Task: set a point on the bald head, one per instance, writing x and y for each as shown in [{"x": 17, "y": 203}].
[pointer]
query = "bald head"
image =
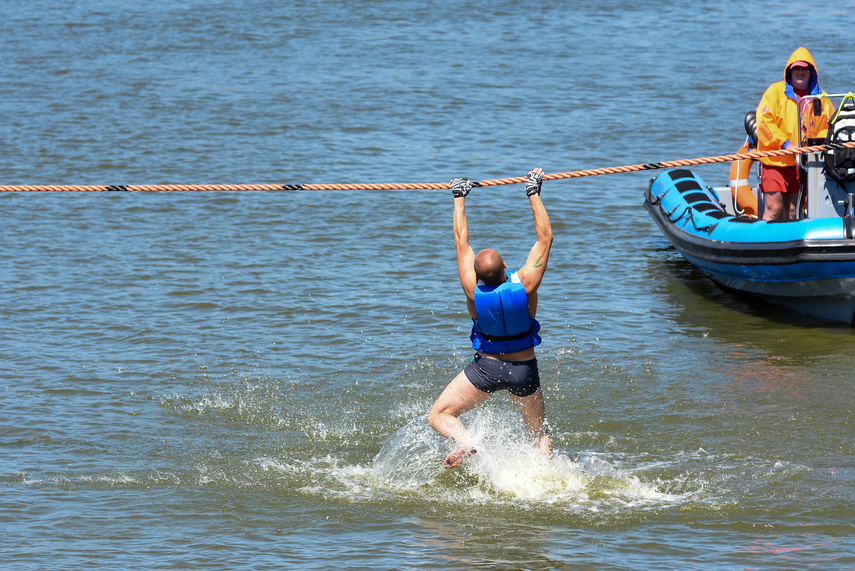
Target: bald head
[{"x": 490, "y": 267}]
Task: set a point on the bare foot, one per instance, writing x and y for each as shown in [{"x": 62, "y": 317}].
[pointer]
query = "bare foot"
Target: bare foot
[
  {"x": 544, "y": 446},
  {"x": 455, "y": 458}
]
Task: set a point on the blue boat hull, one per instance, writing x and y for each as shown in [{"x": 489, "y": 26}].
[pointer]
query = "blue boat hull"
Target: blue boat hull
[{"x": 808, "y": 264}]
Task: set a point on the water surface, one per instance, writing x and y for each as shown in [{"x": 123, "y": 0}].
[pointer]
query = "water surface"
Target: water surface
[{"x": 241, "y": 380}]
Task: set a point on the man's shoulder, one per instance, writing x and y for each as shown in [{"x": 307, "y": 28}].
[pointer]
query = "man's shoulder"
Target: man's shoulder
[
  {"x": 529, "y": 282},
  {"x": 776, "y": 89}
]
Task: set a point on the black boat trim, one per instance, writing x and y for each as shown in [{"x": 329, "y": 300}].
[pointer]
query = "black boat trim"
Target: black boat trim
[{"x": 753, "y": 253}]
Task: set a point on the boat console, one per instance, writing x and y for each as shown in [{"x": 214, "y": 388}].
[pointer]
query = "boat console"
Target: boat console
[{"x": 824, "y": 196}]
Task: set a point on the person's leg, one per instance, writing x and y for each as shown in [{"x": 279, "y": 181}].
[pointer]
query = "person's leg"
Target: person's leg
[
  {"x": 533, "y": 413},
  {"x": 791, "y": 200},
  {"x": 459, "y": 396},
  {"x": 780, "y": 187},
  {"x": 775, "y": 206}
]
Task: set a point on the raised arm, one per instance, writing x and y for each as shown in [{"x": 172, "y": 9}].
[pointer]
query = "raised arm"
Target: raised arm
[
  {"x": 465, "y": 255},
  {"x": 531, "y": 274}
]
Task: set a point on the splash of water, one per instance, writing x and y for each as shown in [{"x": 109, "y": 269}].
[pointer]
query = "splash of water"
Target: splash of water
[{"x": 507, "y": 468}]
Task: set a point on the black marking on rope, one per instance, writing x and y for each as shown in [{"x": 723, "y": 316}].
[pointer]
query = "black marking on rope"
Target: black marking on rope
[
  {"x": 651, "y": 166},
  {"x": 475, "y": 183},
  {"x": 117, "y": 188},
  {"x": 292, "y": 187}
]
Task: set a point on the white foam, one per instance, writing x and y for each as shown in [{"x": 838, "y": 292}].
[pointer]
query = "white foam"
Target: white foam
[{"x": 507, "y": 468}]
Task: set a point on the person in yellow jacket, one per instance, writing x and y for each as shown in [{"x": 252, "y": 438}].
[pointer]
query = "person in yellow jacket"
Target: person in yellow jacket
[{"x": 778, "y": 128}]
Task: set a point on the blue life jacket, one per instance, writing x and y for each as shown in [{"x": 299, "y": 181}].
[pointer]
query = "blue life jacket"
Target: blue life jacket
[{"x": 504, "y": 324}]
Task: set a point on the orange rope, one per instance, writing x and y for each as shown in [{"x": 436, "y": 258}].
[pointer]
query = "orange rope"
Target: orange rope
[{"x": 413, "y": 186}]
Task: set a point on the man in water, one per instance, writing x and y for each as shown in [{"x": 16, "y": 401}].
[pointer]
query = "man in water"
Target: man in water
[{"x": 504, "y": 333}]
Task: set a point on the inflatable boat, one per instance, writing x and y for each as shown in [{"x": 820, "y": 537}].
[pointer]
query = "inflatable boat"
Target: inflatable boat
[{"x": 807, "y": 264}]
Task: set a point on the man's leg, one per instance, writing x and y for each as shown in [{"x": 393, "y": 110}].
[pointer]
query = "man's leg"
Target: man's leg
[
  {"x": 459, "y": 396},
  {"x": 775, "y": 206},
  {"x": 776, "y": 183},
  {"x": 791, "y": 200},
  {"x": 533, "y": 413}
]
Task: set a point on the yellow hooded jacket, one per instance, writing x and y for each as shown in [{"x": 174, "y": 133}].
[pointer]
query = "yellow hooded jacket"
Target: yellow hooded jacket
[{"x": 777, "y": 114}]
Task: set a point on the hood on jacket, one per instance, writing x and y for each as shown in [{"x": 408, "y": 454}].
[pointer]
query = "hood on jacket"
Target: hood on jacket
[{"x": 802, "y": 54}]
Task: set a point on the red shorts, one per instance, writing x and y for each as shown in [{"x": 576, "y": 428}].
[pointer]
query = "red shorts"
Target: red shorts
[{"x": 779, "y": 179}]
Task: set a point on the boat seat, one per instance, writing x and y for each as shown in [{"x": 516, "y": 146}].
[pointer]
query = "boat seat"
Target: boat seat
[{"x": 751, "y": 126}]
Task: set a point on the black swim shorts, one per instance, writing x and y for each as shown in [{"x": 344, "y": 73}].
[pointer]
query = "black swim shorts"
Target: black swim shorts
[{"x": 520, "y": 378}]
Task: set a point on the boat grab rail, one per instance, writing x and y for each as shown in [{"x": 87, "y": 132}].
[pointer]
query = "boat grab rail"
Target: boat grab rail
[
  {"x": 689, "y": 213},
  {"x": 843, "y": 98}
]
